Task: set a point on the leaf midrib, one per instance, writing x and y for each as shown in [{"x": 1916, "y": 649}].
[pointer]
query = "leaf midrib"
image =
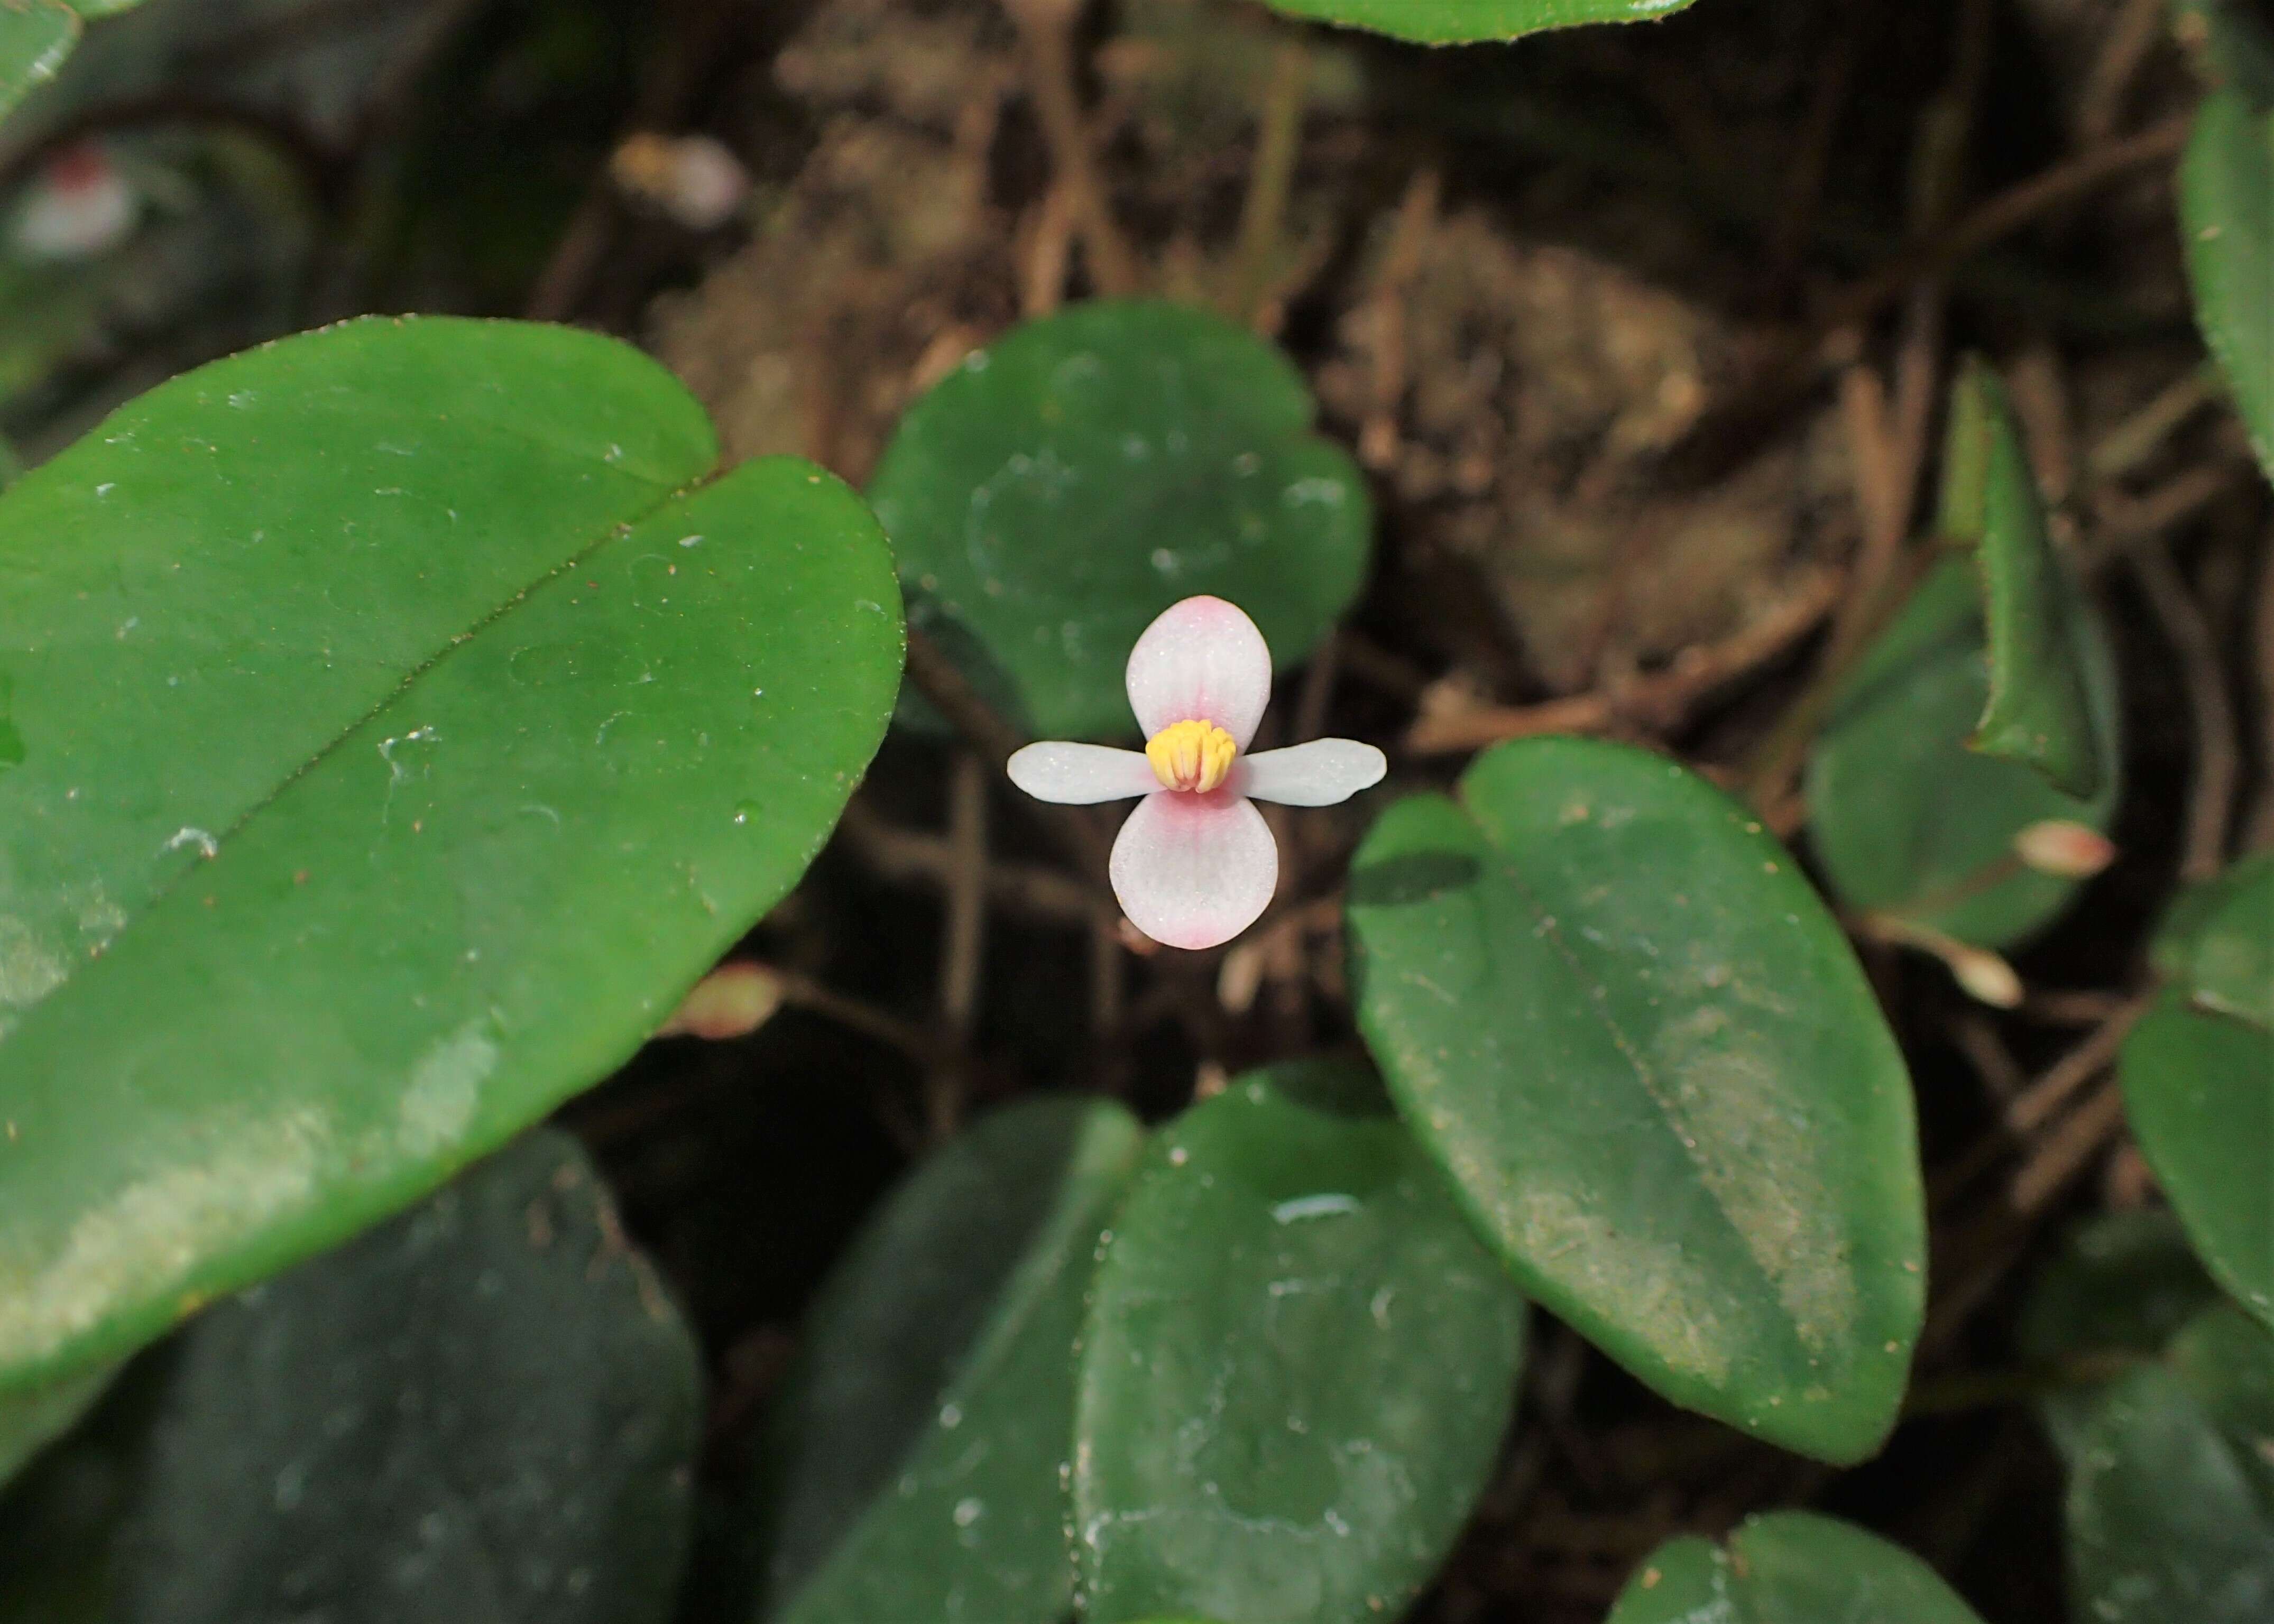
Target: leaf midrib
[{"x": 450, "y": 645}]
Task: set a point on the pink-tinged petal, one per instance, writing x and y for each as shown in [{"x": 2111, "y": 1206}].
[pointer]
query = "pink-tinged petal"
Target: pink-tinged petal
[
  {"x": 1194, "y": 871},
  {"x": 1081, "y": 774},
  {"x": 1201, "y": 661},
  {"x": 1317, "y": 774}
]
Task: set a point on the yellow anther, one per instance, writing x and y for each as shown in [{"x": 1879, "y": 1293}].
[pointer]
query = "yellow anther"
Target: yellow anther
[{"x": 1193, "y": 755}]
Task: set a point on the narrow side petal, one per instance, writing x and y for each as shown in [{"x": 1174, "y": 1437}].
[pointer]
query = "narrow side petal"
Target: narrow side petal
[
  {"x": 1194, "y": 871},
  {"x": 1081, "y": 774},
  {"x": 1200, "y": 660},
  {"x": 1317, "y": 774}
]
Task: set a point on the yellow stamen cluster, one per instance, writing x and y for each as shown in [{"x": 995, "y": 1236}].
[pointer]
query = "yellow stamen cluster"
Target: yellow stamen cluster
[{"x": 1191, "y": 755}]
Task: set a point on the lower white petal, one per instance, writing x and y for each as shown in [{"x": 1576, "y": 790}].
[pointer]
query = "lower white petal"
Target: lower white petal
[
  {"x": 1317, "y": 774},
  {"x": 1081, "y": 774},
  {"x": 1194, "y": 871}
]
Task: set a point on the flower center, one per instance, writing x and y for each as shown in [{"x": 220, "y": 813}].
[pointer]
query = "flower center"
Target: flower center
[{"x": 1191, "y": 755}]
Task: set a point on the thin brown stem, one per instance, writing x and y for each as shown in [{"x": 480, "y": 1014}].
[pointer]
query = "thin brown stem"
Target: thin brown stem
[
  {"x": 1046, "y": 31},
  {"x": 1279, "y": 142},
  {"x": 1661, "y": 699},
  {"x": 2036, "y": 1104},
  {"x": 2218, "y": 764}
]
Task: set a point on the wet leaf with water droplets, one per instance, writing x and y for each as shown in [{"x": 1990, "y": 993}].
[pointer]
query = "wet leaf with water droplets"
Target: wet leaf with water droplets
[
  {"x": 1788, "y": 1567},
  {"x": 485, "y": 1412},
  {"x": 917, "y": 1460},
  {"x": 1054, "y": 494},
  {"x": 2170, "y": 1493},
  {"x": 1296, "y": 1369},
  {"x": 1620, "y": 1019},
  {"x": 2122, "y": 1284},
  {"x": 307, "y": 895}
]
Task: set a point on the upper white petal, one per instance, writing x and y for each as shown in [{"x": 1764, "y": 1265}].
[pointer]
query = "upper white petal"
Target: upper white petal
[
  {"x": 1079, "y": 774},
  {"x": 1317, "y": 774},
  {"x": 1194, "y": 871},
  {"x": 1200, "y": 660}
]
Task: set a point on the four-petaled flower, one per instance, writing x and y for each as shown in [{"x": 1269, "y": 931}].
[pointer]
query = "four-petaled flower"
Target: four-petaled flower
[{"x": 1195, "y": 863}]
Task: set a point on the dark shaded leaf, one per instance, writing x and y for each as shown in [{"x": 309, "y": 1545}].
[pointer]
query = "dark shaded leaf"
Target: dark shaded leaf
[
  {"x": 484, "y": 1412},
  {"x": 920, "y": 1457},
  {"x": 1296, "y": 1366},
  {"x": 1060, "y": 489}
]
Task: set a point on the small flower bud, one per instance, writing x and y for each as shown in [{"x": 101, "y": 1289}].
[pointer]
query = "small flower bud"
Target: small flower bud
[
  {"x": 733, "y": 1001},
  {"x": 1986, "y": 977},
  {"x": 2067, "y": 850},
  {"x": 690, "y": 180}
]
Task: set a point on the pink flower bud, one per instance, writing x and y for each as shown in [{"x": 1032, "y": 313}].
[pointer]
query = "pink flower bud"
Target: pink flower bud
[{"x": 2070, "y": 851}]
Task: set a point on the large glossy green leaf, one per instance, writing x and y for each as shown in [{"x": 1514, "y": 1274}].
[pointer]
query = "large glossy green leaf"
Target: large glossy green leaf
[
  {"x": 436, "y": 906},
  {"x": 2216, "y": 944},
  {"x": 920, "y": 1458},
  {"x": 1788, "y": 1568},
  {"x": 31, "y": 1417},
  {"x": 1618, "y": 1015},
  {"x": 2199, "y": 1091},
  {"x": 1454, "y": 22},
  {"x": 2038, "y": 709},
  {"x": 2171, "y": 1494},
  {"x": 1057, "y": 491},
  {"x": 2120, "y": 1287},
  {"x": 1907, "y": 819},
  {"x": 484, "y": 1412},
  {"x": 1296, "y": 1369},
  {"x": 2226, "y": 216}
]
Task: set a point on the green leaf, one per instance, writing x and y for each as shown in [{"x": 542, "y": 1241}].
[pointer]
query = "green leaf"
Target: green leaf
[
  {"x": 919, "y": 1456},
  {"x": 1910, "y": 822},
  {"x": 2226, "y": 1359},
  {"x": 2199, "y": 1092},
  {"x": 2171, "y": 1496},
  {"x": 2226, "y": 217},
  {"x": 493, "y": 767},
  {"x": 1057, "y": 491},
  {"x": 2217, "y": 941},
  {"x": 1297, "y": 1367},
  {"x": 31, "y": 1417},
  {"x": 1619, "y": 1017},
  {"x": 1460, "y": 22},
  {"x": 485, "y": 1410},
  {"x": 35, "y": 37},
  {"x": 2039, "y": 710},
  {"x": 2122, "y": 1285},
  {"x": 1788, "y": 1568}
]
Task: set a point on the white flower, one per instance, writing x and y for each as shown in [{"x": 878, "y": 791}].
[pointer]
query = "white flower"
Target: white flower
[{"x": 1195, "y": 863}]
